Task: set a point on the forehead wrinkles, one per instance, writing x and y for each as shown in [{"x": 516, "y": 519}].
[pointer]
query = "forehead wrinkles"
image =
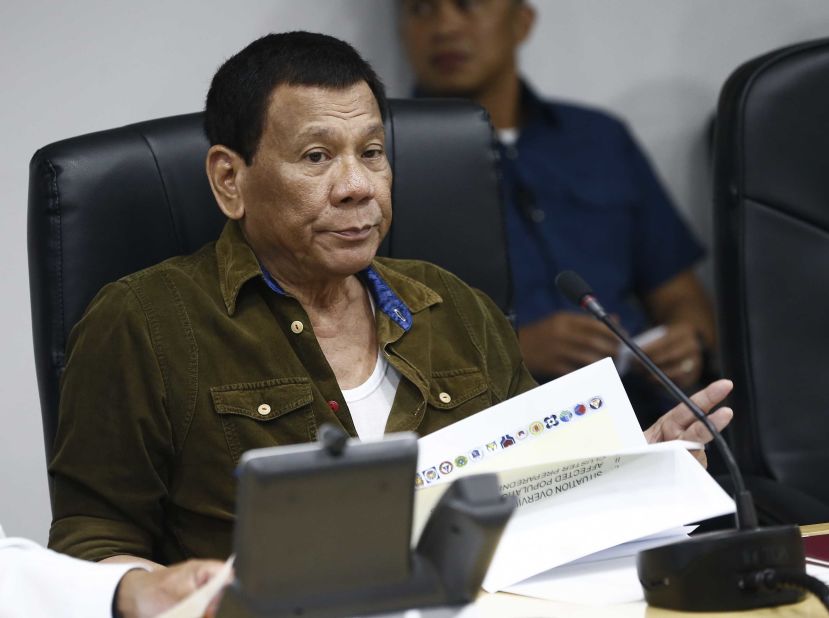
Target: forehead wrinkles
[
  {"x": 346, "y": 109},
  {"x": 296, "y": 110},
  {"x": 360, "y": 130}
]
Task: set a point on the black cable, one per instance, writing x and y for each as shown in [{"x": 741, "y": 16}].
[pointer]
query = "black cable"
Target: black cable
[{"x": 773, "y": 579}]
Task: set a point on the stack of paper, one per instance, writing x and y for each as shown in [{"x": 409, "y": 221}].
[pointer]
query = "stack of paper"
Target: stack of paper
[{"x": 573, "y": 455}]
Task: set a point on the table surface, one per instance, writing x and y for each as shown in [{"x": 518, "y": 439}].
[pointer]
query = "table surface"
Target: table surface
[
  {"x": 503, "y": 605},
  {"x": 814, "y": 530}
]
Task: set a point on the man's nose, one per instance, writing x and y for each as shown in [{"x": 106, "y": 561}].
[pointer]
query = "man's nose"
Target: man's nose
[
  {"x": 353, "y": 184},
  {"x": 448, "y": 19}
]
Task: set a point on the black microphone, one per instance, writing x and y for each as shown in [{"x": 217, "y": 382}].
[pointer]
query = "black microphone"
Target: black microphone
[
  {"x": 576, "y": 290},
  {"x": 727, "y": 570}
]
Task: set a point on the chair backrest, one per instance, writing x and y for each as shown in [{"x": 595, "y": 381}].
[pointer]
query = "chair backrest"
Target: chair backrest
[
  {"x": 110, "y": 203},
  {"x": 771, "y": 216}
]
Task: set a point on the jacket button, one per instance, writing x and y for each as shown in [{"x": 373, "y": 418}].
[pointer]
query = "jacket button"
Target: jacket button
[
  {"x": 264, "y": 409},
  {"x": 297, "y": 326},
  {"x": 445, "y": 397},
  {"x": 334, "y": 406}
]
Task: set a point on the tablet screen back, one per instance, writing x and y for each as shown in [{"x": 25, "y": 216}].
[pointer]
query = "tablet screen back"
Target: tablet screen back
[{"x": 308, "y": 520}]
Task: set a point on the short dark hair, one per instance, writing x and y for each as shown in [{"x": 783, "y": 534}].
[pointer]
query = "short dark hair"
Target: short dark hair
[{"x": 237, "y": 102}]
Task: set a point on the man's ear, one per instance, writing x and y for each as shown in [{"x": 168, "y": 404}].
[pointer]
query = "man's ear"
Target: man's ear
[
  {"x": 524, "y": 21},
  {"x": 225, "y": 169}
]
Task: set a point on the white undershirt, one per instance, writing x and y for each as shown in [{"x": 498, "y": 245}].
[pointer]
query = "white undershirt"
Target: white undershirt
[
  {"x": 370, "y": 402},
  {"x": 508, "y": 137}
]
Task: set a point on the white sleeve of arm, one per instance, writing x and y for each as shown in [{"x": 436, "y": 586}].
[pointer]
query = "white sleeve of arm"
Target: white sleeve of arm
[{"x": 39, "y": 583}]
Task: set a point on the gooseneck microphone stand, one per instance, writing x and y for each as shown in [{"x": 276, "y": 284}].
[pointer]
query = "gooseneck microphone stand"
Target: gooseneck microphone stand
[{"x": 719, "y": 571}]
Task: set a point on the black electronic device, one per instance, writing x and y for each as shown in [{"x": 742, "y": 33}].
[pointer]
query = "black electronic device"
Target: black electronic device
[
  {"x": 719, "y": 571},
  {"x": 324, "y": 529}
]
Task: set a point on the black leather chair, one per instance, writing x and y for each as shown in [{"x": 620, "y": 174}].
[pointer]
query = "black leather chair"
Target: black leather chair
[
  {"x": 110, "y": 203},
  {"x": 771, "y": 219}
]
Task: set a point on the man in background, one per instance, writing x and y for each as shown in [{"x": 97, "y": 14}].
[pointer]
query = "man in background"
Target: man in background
[{"x": 579, "y": 195}]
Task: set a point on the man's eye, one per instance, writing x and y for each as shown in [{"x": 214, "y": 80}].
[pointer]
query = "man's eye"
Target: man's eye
[
  {"x": 468, "y": 5},
  {"x": 316, "y": 157},
  {"x": 420, "y": 8},
  {"x": 373, "y": 153}
]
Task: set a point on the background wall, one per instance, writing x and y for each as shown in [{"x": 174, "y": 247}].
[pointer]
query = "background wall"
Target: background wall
[{"x": 71, "y": 68}]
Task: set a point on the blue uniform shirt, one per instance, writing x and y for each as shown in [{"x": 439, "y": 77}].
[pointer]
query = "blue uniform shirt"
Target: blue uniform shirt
[{"x": 580, "y": 195}]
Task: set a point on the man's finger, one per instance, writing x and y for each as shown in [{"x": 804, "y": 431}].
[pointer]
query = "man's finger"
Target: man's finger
[
  {"x": 674, "y": 347},
  {"x": 587, "y": 327},
  {"x": 589, "y": 337},
  {"x": 676, "y": 353},
  {"x": 706, "y": 399},
  {"x": 712, "y": 394},
  {"x": 698, "y": 432},
  {"x": 700, "y": 456}
]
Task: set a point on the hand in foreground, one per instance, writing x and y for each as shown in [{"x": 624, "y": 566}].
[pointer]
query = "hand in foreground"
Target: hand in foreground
[
  {"x": 148, "y": 593},
  {"x": 678, "y": 353},
  {"x": 680, "y": 423},
  {"x": 564, "y": 342}
]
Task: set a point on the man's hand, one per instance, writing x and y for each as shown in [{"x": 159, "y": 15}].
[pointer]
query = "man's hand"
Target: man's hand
[
  {"x": 683, "y": 306},
  {"x": 148, "y": 593},
  {"x": 680, "y": 423},
  {"x": 678, "y": 353},
  {"x": 564, "y": 342}
]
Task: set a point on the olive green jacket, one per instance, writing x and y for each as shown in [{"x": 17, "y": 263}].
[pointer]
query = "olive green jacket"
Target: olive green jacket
[{"x": 168, "y": 370}]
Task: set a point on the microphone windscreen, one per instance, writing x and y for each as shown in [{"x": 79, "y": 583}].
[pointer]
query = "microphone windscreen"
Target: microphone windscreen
[{"x": 572, "y": 286}]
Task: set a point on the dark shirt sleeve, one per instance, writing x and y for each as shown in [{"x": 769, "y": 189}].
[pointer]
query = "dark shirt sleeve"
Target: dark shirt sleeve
[
  {"x": 663, "y": 244},
  {"x": 114, "y": 441}
]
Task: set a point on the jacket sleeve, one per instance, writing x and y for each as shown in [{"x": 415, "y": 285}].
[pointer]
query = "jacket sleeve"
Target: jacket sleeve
[{"x": 114, "y": 443}]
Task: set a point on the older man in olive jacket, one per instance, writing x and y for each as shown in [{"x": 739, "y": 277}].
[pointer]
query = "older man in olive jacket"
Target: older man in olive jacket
[{"x": 286, "y": 322}]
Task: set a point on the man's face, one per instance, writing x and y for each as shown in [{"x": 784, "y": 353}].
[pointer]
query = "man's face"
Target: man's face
[
  {"x": 317, "y": 196},
  {"x": 459, "y": 47}
]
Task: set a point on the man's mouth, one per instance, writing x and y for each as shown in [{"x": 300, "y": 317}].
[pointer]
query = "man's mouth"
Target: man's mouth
[
  {"x": 449, "y": 61},
  {"x": 354, "y": 233}
]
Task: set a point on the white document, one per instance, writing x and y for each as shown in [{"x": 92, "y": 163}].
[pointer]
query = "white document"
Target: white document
[
  {"x": 573, "y": 455},
  {"x": 816, "y": 570},
  {"x": 605, "y": 578},
  {"x": 585, "y": 411}
]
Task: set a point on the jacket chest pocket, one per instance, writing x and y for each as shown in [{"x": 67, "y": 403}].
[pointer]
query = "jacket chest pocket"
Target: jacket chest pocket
[
  {"x": 265, "y": 413},
  {"x": 454, "y": 395}
]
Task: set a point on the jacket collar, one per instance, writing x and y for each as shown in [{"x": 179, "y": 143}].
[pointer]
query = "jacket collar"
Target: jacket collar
[
  {"x": 395, "y": 294},
  {"x": 415, "y": 295},
  {"x": 237, "y": 263}
]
